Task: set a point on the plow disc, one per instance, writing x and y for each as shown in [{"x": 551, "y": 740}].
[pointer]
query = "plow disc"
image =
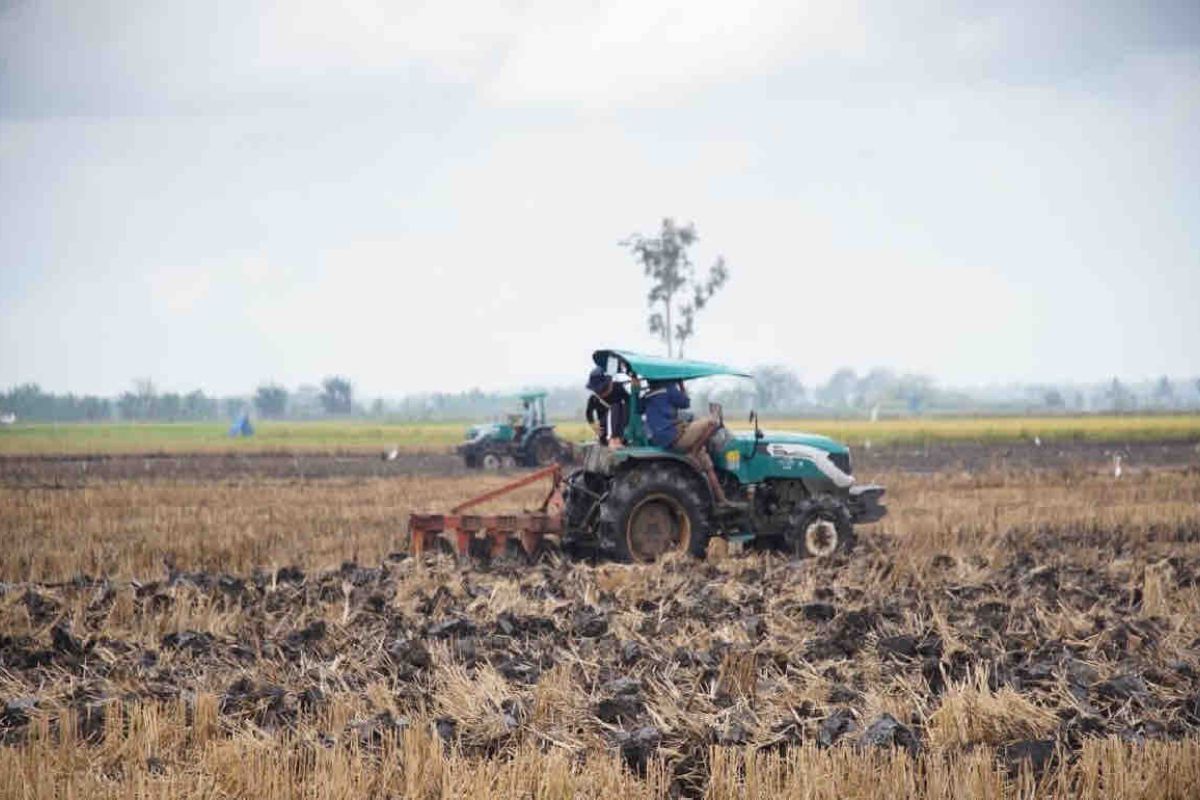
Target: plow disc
[{"x": 493, "y": 534}]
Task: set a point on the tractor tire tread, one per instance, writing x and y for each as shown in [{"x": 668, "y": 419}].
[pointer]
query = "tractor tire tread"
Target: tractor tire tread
[
  {"x": 831, "y": 509},
  {"x": 655, "y": 477}
]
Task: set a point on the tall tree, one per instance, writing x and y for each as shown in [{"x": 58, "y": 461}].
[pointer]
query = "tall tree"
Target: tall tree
[
  {"x": 1119, "y": 398},
  {"x": 1164, "y": 393},
  {"x": 777, "y": 388},
  {"x": 169, "y": 406},
  {"x": 874, "y": 387},
  {"x": 271, "y": 400},
  {"x": 664, "y": 259},
  {"x": 197, "y": 406},
  {"x": 141, "y": 403},
  {"x": 337, "y": 395},
  {"x": 839, "y": 392}
]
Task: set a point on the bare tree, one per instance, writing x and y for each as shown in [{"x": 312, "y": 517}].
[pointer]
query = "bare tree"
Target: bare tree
[{"x": 665, "y": 261}]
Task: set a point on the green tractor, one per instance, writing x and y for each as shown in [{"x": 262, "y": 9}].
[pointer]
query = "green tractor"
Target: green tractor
[
  {"x": 524, "y": 439},
  {"x": 793, "y": 491}
]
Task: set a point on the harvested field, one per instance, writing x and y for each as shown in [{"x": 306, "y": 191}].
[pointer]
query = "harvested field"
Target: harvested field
[
  {"x": 1006, "y": 631},
  {"x": 933, "y": 456},
  {"x": 364, "y": 436}
]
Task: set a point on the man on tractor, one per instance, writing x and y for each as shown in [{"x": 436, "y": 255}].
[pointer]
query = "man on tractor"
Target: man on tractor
[
  {"x": 607, "y": 408},
  {"x": 663, "y": 402}
]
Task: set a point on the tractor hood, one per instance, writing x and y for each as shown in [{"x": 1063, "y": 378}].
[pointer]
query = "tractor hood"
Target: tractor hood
[
  {"x": 490, "y": 430},
  {"x": 476, "y": 431},
  {"x": 785, "y": 438},
  {"x": 657, "y": 368},
  {"x": 807, "y": 456},
  {"x": 778, "y": 444}
]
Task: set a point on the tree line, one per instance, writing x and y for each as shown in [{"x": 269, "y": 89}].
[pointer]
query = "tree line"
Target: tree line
[
  {"x": 143, "y": 402},
  {"x": 775, "y": 390}
]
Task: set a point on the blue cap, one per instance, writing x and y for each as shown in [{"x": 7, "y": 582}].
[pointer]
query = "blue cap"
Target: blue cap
[{"x": 598, "y": 381}]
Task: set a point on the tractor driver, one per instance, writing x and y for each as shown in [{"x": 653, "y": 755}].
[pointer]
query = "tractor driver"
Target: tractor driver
[
  {"x": 663, "y": 402},
  {"x": 527, "y": 415},
  {"x": 607, "y": 408}
]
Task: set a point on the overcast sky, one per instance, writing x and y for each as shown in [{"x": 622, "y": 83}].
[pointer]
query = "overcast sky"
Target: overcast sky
[{"x": 430, "y": 196}]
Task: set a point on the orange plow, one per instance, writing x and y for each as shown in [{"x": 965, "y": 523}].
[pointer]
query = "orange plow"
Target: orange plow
[{"x": 494, "y": 534}]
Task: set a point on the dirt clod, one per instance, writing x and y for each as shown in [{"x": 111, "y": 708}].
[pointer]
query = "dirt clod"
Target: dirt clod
[
  {"x": 887, "y": 731},
  {"x": 835, "y": 726}
]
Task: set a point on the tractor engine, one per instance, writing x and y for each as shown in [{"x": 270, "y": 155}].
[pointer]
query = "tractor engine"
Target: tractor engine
[{"x": 773, "y": 504}]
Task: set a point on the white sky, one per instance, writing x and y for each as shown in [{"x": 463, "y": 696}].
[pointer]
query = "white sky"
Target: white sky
[{"x": 429, "y": 196}]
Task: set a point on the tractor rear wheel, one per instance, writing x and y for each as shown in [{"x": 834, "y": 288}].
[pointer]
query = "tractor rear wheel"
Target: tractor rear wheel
[
  {"x": 544, "y": 450},
  {"x": 820, "y": 530},
  {"x": 655, "y": 509}
]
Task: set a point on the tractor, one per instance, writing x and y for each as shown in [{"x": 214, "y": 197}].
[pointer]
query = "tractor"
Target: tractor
[
  {"x": 524, "y": 439},
  {"x": 638, "y": 502},
  {"x": 793, "y": 491}
]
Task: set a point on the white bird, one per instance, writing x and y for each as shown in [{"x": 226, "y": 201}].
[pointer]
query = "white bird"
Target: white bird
[
  {"x": 392, "y": 455},
  {"x": 1116, "y": 465},
  {"x": 1037, "y": 441}
]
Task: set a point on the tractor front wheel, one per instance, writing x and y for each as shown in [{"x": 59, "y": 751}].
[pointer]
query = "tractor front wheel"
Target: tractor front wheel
[
  {"x": 820, "y": 530},
  {"x": 653, "y": 510}
]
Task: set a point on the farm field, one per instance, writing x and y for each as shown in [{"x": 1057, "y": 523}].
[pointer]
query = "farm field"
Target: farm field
[
  {"x": 425, "y": 437},
  {"x": 1022, "y": 624}
]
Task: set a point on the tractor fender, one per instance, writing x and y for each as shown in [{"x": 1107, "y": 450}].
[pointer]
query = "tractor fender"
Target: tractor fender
[
  {"x": 470, "y": 448},
  {"x": 819, "y": 486},
  {"x": 532, "y": 432}
]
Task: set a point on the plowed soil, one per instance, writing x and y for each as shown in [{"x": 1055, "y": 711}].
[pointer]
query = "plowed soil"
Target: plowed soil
[
  {"x": 74, "y": 470},
  {"x": 1021, "y": 602}
]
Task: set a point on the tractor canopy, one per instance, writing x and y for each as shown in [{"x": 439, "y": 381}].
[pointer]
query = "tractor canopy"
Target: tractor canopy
[
  {"x": 657, "y": 368},
  {"x": 529, "y": 397}
]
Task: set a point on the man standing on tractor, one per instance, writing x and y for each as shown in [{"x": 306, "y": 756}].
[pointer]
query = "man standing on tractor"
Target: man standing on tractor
[
  {"x": 662, "y": 403},
  {"x": 607, "y": 408},
  {"x": 529, "y": 418}
]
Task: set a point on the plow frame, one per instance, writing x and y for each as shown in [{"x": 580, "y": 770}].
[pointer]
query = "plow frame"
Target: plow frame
[{"x": 496, "y": 534}]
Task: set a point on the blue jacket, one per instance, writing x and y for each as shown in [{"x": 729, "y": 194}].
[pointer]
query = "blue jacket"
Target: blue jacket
[{"x": 662, "y": 409}]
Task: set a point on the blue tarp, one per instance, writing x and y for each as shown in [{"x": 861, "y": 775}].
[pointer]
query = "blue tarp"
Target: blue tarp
[{"x": 241, "y": 426}]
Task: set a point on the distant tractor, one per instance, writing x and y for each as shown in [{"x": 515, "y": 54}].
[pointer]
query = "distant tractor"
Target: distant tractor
[{"x": 525, "y": 439}]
